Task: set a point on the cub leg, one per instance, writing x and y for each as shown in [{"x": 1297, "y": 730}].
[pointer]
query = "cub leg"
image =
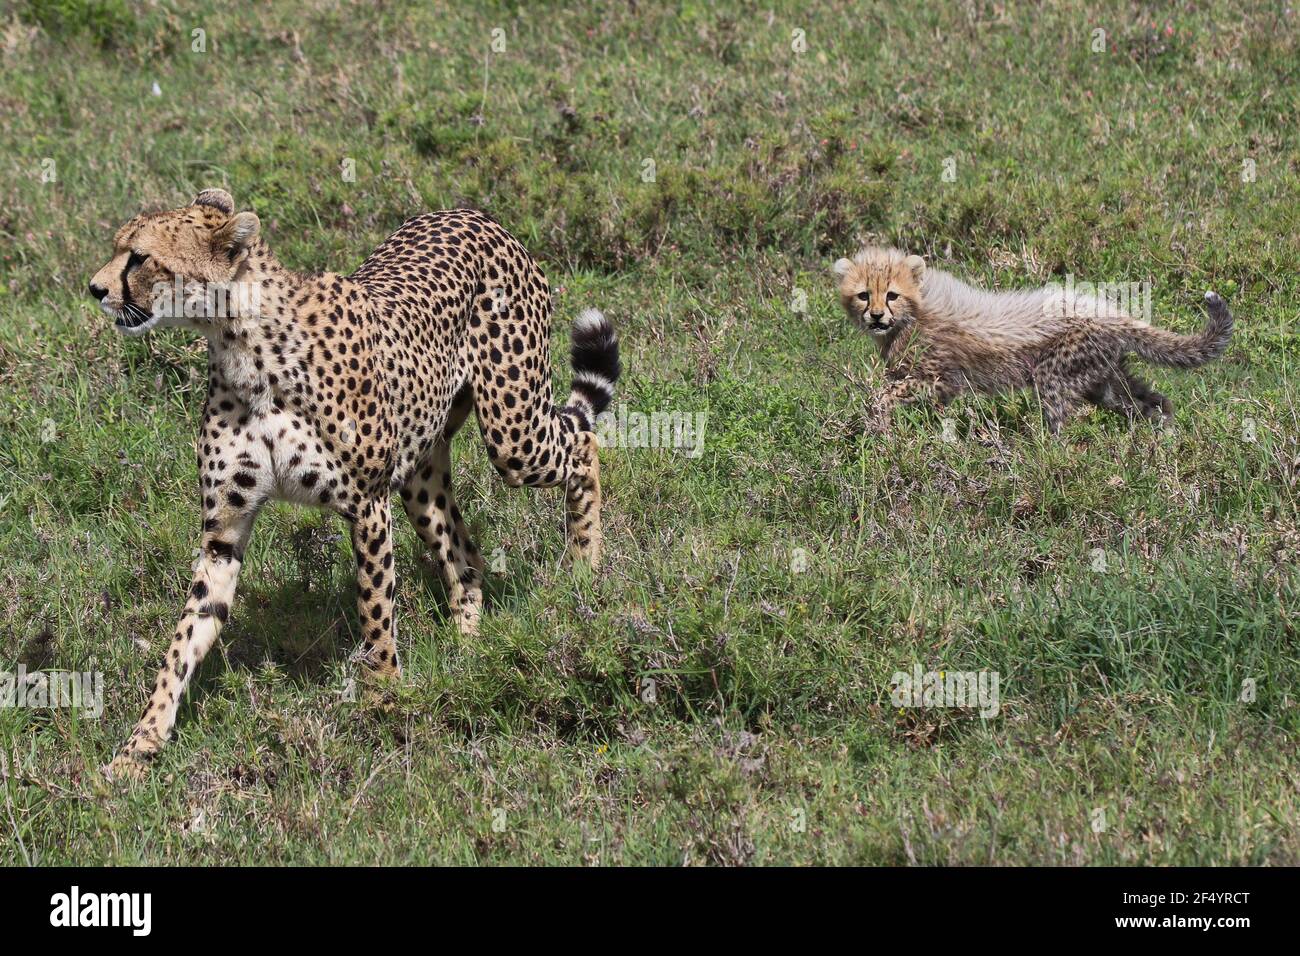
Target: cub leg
[
  {"x": 1058, "y": 396},
  {"x": 1079, "y": 365},
  {"x": 900, "y": 391},
  {"x": 1150, "y": 403},
  {"x": 1114, "y": 395}
]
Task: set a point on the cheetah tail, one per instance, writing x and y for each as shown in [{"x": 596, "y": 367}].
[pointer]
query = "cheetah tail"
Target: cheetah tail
[
  {"x": 595, "y": 367},
  {"x": 1186, "y": 351}
]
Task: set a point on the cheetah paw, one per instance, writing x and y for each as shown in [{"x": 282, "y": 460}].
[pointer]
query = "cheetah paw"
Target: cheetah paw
[
  {"x": 467, "y": 622},
  {"x": 126, "y": 768}
]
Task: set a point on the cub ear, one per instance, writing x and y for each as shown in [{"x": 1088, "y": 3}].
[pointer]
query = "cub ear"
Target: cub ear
[
  {"x": 236, "y": 234},
  {"x": 917, "y": 265},
  {"x": 841, "y": 268},
  {"x": 217, "y": 199}
]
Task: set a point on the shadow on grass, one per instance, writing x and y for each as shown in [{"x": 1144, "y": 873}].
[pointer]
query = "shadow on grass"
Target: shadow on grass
[
  {"x": 499, "y": 588},
  {"x": 310, "y": 631}
]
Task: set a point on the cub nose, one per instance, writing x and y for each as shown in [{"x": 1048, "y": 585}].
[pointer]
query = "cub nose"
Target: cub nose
[
  {"x": 98, "y": 291},
  {"x": 877, "y": 316}
]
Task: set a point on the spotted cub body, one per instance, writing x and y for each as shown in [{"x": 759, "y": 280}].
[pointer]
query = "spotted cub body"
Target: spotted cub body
[
  {"x": 940, "y": 337},
  {"x": 335, "y": 391}
]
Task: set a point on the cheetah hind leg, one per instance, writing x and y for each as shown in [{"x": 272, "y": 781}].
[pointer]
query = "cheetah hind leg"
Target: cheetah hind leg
[
  {"x": 431, "y": 506},
  {"x": 1113, "y": 395},
  {"x": 1151, "y": 404},
  {"x": 1126, "y": 394},
  {"x": 582, "y": 502},
  {"x": 1058, "y": 397}
]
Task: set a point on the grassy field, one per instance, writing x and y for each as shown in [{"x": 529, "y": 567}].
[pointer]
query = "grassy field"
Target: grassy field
[{"x": 720, "y": 693}]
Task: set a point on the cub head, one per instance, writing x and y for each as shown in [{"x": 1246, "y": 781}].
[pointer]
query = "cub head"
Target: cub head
[
  {"x": 880, "y": 288},
  {"x": 177, "y": 267}
]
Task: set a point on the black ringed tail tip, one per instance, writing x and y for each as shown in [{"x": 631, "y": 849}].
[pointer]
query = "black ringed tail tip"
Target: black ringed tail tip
[{"x": 596, "y": 365}]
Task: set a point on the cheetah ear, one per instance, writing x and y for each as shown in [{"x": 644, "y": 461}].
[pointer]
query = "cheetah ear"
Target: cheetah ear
[
  {"x": 917, "y": 265},
  {"x": 217, "y": 199},
  {"x": 236, "y": 234},
  {"x": 841, "y": 268}
]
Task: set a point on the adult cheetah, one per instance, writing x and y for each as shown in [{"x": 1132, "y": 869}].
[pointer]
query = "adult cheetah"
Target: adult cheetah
[{"x": 334, "y": 391}]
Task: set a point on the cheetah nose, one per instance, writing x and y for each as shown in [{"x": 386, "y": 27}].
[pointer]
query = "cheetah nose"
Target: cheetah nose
[
  {"x": 98, "y": 291},
  {"x": 877, "y": 316}
]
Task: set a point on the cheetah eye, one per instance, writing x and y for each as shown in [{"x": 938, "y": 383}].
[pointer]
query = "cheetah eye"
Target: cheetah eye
[
  {"x": 891, "y": 296},
  {"x": 135, "y": 260},
  {"x": 864, "y": 296}
]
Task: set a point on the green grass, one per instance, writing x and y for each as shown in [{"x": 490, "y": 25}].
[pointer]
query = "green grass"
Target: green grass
[{"x": 1121, "y": 689}]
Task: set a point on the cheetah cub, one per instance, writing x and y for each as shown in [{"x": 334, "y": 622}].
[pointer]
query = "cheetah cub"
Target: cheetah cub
[
  {"x": 939, "y": 337},
  {"x": 335, "y": 391}
]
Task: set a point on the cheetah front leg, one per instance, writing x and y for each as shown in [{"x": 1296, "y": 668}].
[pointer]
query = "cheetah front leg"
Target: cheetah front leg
[
  {"x": 372, "y": 545},
  {"x": 228, "y": 524},
  {"x": 900, "y": 391}
]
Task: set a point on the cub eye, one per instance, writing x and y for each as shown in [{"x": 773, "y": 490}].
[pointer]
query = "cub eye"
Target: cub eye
[
  {"x": 891, "y": 296},
  {"x": 864, "y": 296}
]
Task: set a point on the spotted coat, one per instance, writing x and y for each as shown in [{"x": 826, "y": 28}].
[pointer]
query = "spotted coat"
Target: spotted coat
[{"x": 334, "y": 391}]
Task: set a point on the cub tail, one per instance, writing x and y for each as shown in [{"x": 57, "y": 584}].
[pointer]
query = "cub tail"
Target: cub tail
[
  {"x": 1185, "y": 351},
  {"x": 595, "y": 367}
]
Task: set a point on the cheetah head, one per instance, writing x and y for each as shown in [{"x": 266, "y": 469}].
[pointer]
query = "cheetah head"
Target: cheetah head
[
  {"x": 179, "y": 267},
  {"x": 880, "y": 288}
]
